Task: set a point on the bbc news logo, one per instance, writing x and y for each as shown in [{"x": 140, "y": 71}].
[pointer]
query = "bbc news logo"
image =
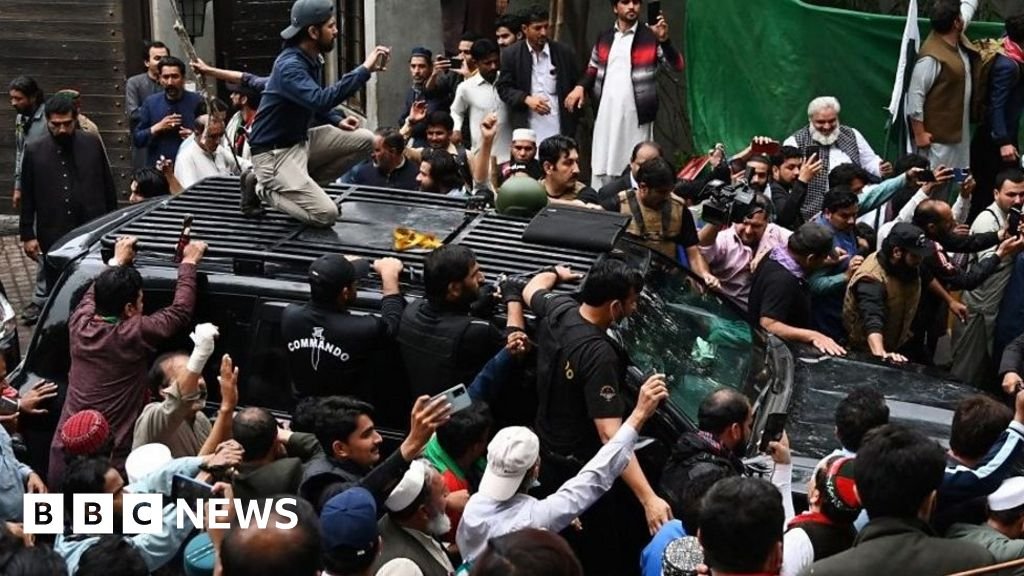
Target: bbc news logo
[{"x": 144, "y": 513}]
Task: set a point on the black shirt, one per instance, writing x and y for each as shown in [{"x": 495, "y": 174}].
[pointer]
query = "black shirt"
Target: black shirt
[
  {"x": 579, "y": 370},
  {"x": 442, "y": 347},
  {"x": 329, "y": 350},
  {"x": 777, "y": 294},
  {"x": 403, "y": 177}
]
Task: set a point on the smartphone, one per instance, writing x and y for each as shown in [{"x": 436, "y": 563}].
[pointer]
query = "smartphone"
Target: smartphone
[
  {"x": 926, "y": 176},
  {"x": 456, "y": 62},
  {"x": 457, "y": 396},
  {"x": 183, "y": 239},
  {"x": 811, "y": 151},
  {"x": 1013, "y": 220},
  {"x": 653, "y": 12},
  {"x": 770, "y": 149},
  {"x": 773, "y": 429},
  {"x": 190, "y": 489},
  {"x": 961, "y": 174},
  {"x": 8, "y": 406},
  {"x": 382, "y": 61}
]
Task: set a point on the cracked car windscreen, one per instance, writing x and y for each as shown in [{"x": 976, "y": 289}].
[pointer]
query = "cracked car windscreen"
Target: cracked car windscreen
[{"x": 695, "y": 338}]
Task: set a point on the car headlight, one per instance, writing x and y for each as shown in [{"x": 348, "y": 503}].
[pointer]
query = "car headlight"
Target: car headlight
[{"x": 8, "y": 320}]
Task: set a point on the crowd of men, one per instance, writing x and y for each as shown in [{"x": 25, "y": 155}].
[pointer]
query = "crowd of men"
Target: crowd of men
[{"x": 821, "y": 241}]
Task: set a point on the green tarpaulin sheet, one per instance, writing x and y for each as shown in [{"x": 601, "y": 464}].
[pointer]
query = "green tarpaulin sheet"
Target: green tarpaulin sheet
[{"x": 753, "y": 65}]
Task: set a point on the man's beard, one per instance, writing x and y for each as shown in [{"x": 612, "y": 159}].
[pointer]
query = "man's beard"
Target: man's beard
[
  {"x": 439, "y": 525},
  {"x": 825, "y": 139},
  {"x": 172, "y": 92},
  {"x": 904, "y": 272},
  {"x": 741, "y": 447},
  {"x": 62, "y": 140}
]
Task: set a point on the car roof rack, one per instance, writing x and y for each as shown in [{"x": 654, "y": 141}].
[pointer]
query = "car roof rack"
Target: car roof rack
[{"x": 368, "y": 218}]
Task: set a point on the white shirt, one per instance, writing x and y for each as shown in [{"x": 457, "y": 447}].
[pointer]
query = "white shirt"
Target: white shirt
[
  {"x": 478, "y": 98},
  {"x": 797, "y": 552},
  {"x": 961, "y": 210},
  {"x": 926, "y": 71},
  {"x": 868, "y": 159},
  {"x": 485, "y": 518},
  {"x": 544, "y": 83},
  {"x": 617, "y": 125},
  {"x": 193, "y": 164}
]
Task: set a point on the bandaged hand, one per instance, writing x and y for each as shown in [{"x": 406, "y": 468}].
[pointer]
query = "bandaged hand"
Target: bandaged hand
[{"x": 203, "y": 337}]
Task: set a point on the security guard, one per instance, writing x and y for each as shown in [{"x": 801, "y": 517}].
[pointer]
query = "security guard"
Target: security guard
[
  {"x": 442, "y": 343},
  {"x": 580, "y": 374},
  {"x": 659, "y": 219},
  {"x": 329, "y": 349}
]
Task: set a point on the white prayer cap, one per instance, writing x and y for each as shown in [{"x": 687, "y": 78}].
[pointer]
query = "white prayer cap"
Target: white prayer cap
[
  {"x": 526, "y": 134},
  {"x": 145, "y": 460},
  {"x": 1009, "y": 495},
  {"x": 409, "y": 487}
]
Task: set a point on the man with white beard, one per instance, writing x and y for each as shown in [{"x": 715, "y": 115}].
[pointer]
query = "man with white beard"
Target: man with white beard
[
  {"x": 415, "y": 519},
  {"x": 834, "y": 144}
]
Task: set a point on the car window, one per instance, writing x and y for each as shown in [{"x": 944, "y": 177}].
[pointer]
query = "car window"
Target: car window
[
  {"x": 699, "y": 340},
  {"x": 233, "y": 315}
]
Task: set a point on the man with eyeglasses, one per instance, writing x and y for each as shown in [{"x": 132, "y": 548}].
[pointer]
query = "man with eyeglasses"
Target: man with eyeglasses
[
  {"x": 65, "y": 182},
  {"x": 175, "y": 418}
]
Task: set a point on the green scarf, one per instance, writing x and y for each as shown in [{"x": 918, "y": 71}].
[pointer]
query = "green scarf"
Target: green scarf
[{"x": 441, "y": 460}]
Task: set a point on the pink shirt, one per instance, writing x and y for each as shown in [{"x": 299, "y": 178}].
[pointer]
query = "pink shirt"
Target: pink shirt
[{"x": 733, "y": 262}]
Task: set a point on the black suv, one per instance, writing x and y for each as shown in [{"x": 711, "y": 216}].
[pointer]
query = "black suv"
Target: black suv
[{"x": 254, "y": 268}]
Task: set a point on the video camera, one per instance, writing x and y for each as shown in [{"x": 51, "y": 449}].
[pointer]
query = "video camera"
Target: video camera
[{"x": 726, "y": 203}]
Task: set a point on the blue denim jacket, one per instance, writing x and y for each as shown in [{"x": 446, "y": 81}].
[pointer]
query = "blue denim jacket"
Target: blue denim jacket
[
  {"x": 13, "y": 475},
  {"x": 293, "y": 97},
  {"x": 156, "y": 549}
]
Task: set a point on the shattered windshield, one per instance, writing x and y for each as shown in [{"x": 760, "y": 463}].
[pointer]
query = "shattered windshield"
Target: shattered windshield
[{"x": 696, "y": 338}]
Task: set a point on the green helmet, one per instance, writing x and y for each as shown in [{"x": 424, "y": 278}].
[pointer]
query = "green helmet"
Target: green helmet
[{"x": 521, "y": 196}]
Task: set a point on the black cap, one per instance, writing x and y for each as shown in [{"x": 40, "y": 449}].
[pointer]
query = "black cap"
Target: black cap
[
  {"x": 307, "y": 13},
  {"x": 337, "y": 272},
  {"x": 422, "y": 52},
  {"x": 812, "y": 239},
  {"x": 910, "y": 238}
]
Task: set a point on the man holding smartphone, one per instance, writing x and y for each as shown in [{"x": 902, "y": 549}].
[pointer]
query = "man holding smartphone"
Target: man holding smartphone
[
  {"x": 621, "y": 75},
  {"x": 290, "y": 159}
]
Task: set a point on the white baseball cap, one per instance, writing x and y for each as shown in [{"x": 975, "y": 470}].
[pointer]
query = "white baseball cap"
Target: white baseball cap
[
  {"x": 510, "y": 455},
  {"x": 1008, "y": 496},
  {"x": 145, "y": 460}
]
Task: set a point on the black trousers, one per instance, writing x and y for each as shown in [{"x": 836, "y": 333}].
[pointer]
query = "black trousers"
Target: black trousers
[{"x": 614, "y": 529}]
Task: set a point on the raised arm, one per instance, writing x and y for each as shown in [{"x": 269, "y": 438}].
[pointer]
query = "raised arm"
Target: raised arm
[
  {"x": 167, "y": 322},
  {"x": 222, "y": 426}
]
